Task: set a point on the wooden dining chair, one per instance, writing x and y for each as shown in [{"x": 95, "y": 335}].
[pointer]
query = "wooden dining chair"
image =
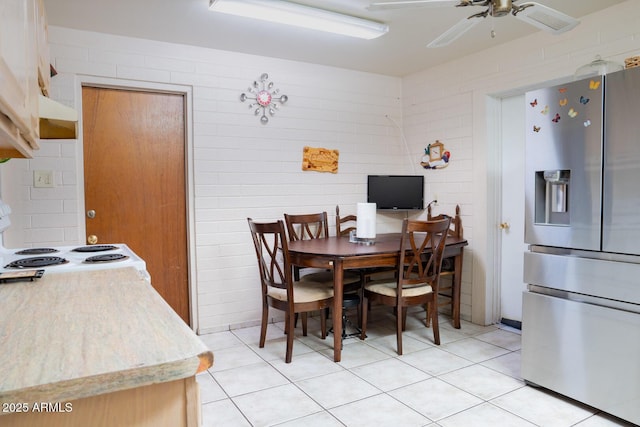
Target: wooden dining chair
[
  {"x": 447, "y": 290},
  {"x": 344, "y": 226},
  {"x": 304, "y": 227},
  {"x": 315, "y": 226},
  {"x": 279, "y": 289},
  {"x": 421, "y": 250}
]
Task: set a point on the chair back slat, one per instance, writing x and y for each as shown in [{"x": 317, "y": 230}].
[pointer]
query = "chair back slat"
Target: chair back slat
[{"x": 345, "y": 224}]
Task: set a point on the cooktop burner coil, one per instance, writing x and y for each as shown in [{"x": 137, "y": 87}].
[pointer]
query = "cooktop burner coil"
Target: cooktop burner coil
[
  {"x": 106, "y": 258},
  {"x": 36, "y": 251},
  {"x": 95, "y": 248},
  {"x": 36, "y": 262}
]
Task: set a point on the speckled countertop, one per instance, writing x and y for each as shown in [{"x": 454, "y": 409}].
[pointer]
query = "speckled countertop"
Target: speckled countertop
[{"x": 73, "y": 335}]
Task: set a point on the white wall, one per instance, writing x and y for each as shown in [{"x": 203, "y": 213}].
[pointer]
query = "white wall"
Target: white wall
[
  {"x": 242, "y": 168},
  {"x": 453, "y": 103}
]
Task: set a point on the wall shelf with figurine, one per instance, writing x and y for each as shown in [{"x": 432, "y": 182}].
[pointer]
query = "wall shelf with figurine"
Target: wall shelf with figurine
[{"x": 436, "y": 156}]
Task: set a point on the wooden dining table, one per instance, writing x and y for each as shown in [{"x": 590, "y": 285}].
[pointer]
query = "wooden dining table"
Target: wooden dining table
[{"x": 339, "y": 254}]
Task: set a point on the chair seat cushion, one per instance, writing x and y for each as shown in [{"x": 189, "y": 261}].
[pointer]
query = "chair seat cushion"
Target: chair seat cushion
[
  {"x": 326, "y": 277},
  {"x": 303, "y": 291},
  {"x": 389, "y": 288}
]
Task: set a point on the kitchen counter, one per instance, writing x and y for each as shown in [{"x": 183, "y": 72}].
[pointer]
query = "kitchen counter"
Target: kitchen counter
[{"x": 71, "y": 338}]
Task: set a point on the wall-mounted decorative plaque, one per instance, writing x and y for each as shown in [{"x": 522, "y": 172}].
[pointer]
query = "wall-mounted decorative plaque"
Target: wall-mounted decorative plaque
[{"x": 320, "y": 159}]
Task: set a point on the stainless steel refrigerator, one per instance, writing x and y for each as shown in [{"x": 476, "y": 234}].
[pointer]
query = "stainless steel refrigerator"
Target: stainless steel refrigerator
[{"x": 581, "y": 311}]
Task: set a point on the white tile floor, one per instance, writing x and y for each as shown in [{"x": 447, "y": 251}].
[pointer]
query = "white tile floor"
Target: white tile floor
[{"x": 472, "y": 379}]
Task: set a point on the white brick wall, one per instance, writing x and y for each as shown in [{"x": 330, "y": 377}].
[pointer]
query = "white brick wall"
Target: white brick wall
[{"x": 242, "y": 168}]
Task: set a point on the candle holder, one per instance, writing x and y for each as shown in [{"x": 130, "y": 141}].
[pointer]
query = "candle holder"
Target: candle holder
[{"x": 353, "y": 238}]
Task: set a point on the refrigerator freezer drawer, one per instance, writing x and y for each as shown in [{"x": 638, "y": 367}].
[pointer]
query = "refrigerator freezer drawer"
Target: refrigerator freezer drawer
[
  {"x": 614, "y": 280},
  {"x": 582, "y": 351}
]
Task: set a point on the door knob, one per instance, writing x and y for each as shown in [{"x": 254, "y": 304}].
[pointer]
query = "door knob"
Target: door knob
[
  {"x": 91, "y": 213},
  {"x": 92, "y": 239},
  {"x": 504, "y": 226}
]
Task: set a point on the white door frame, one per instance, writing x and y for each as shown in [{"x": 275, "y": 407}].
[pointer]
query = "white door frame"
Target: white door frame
[
  {"x": 495, "y": 200},
  {"x": 494, "y": 206}
]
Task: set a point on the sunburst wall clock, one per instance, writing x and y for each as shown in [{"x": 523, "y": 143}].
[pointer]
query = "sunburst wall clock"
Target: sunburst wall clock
[{"x": 264, "y": 98}]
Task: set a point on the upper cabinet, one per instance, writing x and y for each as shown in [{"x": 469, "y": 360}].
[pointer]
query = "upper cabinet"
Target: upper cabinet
[
  {"x": 24, "y": 74},
  {"x": 42, "y": 46}
]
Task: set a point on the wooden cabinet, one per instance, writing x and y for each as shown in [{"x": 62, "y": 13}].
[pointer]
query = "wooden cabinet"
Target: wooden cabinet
[
  {"x": 24, "y": 71},
  {"x": 166, "y": 404}
]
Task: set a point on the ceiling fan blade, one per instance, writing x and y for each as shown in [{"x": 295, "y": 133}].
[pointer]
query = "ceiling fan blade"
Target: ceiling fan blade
[
  {"x": 456, "y": 31},
  {"x": 545, "y": 18},
  {"x": 380, "y": 5}
]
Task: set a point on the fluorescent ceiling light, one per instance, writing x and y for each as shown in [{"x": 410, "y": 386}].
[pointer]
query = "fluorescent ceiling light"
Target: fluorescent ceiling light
[
  {"x": 285, "y": 12},
  {"x": 545, "y": 18}
]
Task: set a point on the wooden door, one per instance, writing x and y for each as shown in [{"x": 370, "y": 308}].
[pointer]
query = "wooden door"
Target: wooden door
[{"x": 134, "y": 180}]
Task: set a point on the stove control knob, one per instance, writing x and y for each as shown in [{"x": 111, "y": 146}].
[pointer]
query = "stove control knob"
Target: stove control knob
[
  {"x": 92, "y": 239},
  {"x": 91, "y": 213}
]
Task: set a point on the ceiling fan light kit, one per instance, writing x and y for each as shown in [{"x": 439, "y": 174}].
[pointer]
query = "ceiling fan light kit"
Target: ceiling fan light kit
[
  {"x": 535, "y": 14},
  {"x": 288, "y": 13}
]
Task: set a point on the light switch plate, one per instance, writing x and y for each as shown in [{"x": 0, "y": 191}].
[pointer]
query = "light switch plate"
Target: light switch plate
[{"x": 43, "y": 179}]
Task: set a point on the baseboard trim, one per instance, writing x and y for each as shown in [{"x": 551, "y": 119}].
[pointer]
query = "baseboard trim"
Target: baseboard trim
[{"x": 517, "y": 324}]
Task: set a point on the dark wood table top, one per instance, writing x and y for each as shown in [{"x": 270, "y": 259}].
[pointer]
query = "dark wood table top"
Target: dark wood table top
[{"x": 341, "y": 247}]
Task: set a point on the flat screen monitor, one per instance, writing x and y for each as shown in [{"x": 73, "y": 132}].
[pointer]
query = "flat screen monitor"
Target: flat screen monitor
[{"x": 396, "y": 192}]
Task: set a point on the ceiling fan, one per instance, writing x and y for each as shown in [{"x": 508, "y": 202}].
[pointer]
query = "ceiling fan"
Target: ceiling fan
[{"x": 536, "y": 14}]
